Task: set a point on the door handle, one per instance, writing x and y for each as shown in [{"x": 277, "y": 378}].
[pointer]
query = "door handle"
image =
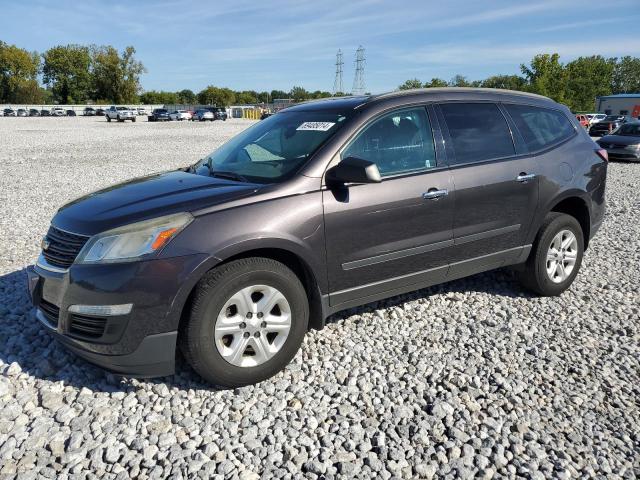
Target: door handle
[
  {"x": 434, "y": 194},
  {"x": 525, "y": 177}
]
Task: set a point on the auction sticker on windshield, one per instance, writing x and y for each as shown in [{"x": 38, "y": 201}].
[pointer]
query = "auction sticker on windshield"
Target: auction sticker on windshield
[{"x": 316, "y": 126}]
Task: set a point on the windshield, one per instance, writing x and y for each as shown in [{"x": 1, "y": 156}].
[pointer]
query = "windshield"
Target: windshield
[
  {"x": 631, "y": 129},
  {"x": 276, "y": 147},
  {"x": 612, "y": 117}
]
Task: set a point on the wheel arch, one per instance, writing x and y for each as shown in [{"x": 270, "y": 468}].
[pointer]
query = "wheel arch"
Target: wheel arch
[
  {"x": 288, "y": 257},
  {"x": 577, "y": 207}
]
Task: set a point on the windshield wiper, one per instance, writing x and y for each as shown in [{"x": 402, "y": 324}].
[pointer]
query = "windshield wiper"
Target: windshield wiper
[{"x": 228, "y": 175}]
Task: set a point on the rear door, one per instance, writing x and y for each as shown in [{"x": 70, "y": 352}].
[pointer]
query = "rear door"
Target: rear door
[
  {"x": 386, "y": 236},
  {"x": 496, "y": 190}
]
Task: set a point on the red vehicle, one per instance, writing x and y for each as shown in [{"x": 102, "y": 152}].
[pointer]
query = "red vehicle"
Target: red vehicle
[{"x": 584, "y": 120}]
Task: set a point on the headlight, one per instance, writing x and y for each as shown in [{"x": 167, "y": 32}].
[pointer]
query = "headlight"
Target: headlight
[
  {"x": 131, "y": 242},
  {"x": 633, "y": 147}
]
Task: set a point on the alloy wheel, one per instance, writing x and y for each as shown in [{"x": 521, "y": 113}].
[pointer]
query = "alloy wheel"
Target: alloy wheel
[{"x": 562, "y": 256}]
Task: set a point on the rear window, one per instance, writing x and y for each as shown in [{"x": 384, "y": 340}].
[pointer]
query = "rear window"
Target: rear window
[
  {"x": 540, "y": 127},
  {"x": 478, "y": 131}
]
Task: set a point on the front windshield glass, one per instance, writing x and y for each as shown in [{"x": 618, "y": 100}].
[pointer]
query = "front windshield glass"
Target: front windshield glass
[
  {"x": 631, "y": 129},
  {"x": 275, "y": 147},
  {"x": 612, "y": 117}
]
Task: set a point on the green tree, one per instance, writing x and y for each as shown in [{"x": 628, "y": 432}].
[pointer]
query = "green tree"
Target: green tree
[
  {"x": 546, "y": 76},
  {"x": 66, "y": 70},
  {"x": 436, "y": 82},
  {"x": 161, "y": 97},
  {"x": 626, "y": 75},
  {"x": 508, "y": 82},
  {"x": 459, "y": 81},
  {"x": 246, "y": 97},
  {"x": 299, "y": 94},
  {"x": 278, "y": 94},
  {"x": 409, "y": 84},
  {"x": 18, "y": 75},
  {"x": 587, "y": 78},
  {"x": 220, "y": 97},
  {"x": 116, "y": 77},
  {"x": 186, "y": 97}
]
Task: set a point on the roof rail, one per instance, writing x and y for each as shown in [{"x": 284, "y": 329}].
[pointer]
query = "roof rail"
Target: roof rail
[{"x": 417, "y": 91}]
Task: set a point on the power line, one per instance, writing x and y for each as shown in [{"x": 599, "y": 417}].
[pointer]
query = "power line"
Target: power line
[
  {"x": 358, "y": 80},
  {"x": 337, "y": 83}
]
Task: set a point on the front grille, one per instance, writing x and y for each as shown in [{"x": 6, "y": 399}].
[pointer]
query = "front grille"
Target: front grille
[
  {"x": 63, "y": 247},
  {"x": 51, "y": 312},
  {"x": 86, "y": 326}
]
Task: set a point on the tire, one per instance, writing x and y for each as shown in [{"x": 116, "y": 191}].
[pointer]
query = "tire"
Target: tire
[
  {"x": 535, "y": 275},
  {"x": 108, "y": 118},
  {"x": 133, "y": 119},
  {"x": 203, "y": 346}
]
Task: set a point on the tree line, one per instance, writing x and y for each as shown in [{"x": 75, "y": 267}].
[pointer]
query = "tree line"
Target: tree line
[
  {"x": 576, "y": 83},
  {"x": 101, "y": 74},
  {"x": 70, "y": 74}
]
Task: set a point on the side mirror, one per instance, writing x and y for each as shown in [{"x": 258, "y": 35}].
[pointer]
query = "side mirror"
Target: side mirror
[{"x": 354, "y": 170}]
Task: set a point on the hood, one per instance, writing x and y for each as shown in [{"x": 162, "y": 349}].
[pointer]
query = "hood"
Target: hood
[
  {"x": 147, "y": 197},
  {"x": 619, "y": 140}
]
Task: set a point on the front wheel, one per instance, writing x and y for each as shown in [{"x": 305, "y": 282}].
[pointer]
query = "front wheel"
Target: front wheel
[
  {"x": 134, "y": 119},
  {"x": 108, "y": 118},
  {"x": 248, "y": 319},
  {"x": 556, "y": 257}
]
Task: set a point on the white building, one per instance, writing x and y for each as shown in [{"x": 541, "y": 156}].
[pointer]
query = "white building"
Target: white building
[{"x": 621, "y": 104}]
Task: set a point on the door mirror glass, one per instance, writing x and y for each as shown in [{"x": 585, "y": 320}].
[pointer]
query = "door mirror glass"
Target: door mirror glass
[{"x": 354, "y": 170}]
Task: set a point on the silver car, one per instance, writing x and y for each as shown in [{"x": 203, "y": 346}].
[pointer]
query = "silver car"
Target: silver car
[{"x": 203, "y": 115}]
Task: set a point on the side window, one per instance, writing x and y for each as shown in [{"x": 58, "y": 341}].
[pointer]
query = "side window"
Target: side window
[
  {"x": 397, "y": 142},
  {"x": 478, "y": 131},
  {"x": 540, "y": 127}
]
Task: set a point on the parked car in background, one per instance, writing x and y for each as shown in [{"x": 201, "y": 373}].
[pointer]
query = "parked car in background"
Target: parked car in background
[
  {"x": 71, "y": 113},
  {"x": 583, "y": 120},
  {"x": 608, "y": 125},
  {"x": 202, "y": 115},
  {"x": 58, "y": 112},
  {"x": 323, "y": 207},
  {"x": 141, "y": 111},
  {"x": 219, "y": 113},
  {"x": 120, "y": 114},
  {"x": 34, "y": 112},
  {"x": 624, "y": 143},
  {"x": 159, "y": 115},
  {"x": 265, "y": 115},
  {"x": 89, "y": 112},
  {"x": 100, "y": 111},
  {"x": 595, "y": 117},
  {"x": 45, "y": 112},
  {"x": 9, "y": 112},
  {"x": 21, "y": 112},
  {"x": 180, "y": 115}
]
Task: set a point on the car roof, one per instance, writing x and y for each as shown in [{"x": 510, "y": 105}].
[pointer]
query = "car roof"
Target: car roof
[{"x": 419, "y": 94}]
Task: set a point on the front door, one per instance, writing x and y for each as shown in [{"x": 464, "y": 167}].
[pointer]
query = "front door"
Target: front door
[{"x": 387, "y": 236}]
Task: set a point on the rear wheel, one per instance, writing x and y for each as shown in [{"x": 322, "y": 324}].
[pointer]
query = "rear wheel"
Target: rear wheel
[
  {"x": 108, "y": 118},
  {"x": 134, "y": 119},
  {"x": 556, "y": 256},
  {"x": 247, "y": 322}
]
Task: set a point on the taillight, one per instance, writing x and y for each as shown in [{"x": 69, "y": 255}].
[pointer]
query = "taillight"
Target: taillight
[{"x": 602, "y": 153}]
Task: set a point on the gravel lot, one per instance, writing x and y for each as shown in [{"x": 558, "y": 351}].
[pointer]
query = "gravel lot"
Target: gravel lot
[{"x": 474, "y": 377}]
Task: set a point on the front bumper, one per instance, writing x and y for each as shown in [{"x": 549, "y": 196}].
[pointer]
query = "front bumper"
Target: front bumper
[
  {"x": 140, "y": 343},
  {"x": 623, "y": 154}
]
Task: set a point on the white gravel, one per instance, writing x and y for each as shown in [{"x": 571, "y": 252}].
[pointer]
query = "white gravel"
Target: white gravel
[{"x": 470, "y": 378}]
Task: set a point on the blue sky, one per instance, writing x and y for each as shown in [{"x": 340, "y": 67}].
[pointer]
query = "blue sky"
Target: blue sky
[{"x": 280, "y": 43}]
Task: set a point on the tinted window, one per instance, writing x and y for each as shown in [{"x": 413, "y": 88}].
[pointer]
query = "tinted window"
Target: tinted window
[
  {"x": 397, "y": 142},
  {"x": 478, "y": 131},
  {"x": 540, "y": 127}
]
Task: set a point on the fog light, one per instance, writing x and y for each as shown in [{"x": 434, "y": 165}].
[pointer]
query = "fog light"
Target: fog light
[{"x": 102, "y": 310}]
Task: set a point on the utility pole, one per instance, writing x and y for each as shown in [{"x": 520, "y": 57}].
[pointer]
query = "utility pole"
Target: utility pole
[
  {"x": 337, "y": 83},
  {"x": 358, "y": 80}
]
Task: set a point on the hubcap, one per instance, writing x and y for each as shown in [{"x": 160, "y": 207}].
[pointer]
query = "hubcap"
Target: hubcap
[
  {"x": 252, "y": 326},
  {"x": 561, "y": 256}
]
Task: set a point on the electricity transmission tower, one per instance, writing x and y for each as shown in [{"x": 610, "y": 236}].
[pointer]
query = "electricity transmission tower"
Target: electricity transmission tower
[
  {"x": 337, "y": 83},
  {"x": 358, "y": 81}
]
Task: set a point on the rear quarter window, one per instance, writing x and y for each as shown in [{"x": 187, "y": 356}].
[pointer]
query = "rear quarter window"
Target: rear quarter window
[{"x": 540, "y": 127}]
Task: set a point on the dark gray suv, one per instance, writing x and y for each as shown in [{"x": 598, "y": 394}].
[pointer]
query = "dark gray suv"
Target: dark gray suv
[{"x": 324, "y": 206}]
